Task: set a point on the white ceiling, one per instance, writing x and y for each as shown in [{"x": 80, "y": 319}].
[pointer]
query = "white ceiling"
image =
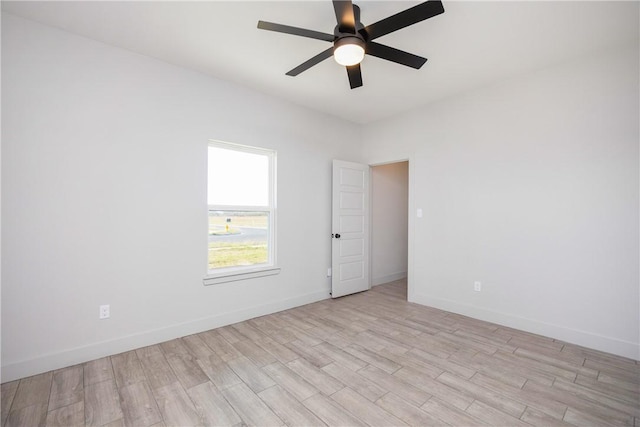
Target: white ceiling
[{"x": 472, "y": 44}]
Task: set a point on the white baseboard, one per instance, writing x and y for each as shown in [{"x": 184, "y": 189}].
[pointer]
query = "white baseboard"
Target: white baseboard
[
  {"x": 573, "y": 336},
  {"x": 375, "y": 281},
  {"x": 93, "y": 351}
]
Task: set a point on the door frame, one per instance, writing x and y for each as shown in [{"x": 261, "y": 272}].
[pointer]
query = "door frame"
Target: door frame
[{"x": 411, "y": 221}]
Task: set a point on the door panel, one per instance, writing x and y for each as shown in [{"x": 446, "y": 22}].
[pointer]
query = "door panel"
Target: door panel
[
  {"x": 351, "y": 224},
  {"x": 351, "y": 200},
  {"x": 350, "y": 228},
  {"x": 351, "y": 271},
  {"x": 351, "y": 248}
]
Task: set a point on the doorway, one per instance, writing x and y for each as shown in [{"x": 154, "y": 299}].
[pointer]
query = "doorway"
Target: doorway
[
  {"x": 390, "y": 224},
  {"x": 350, "y": 244}
]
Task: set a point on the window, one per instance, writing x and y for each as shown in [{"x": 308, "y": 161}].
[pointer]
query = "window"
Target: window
[{"x": 241, "y": 211}]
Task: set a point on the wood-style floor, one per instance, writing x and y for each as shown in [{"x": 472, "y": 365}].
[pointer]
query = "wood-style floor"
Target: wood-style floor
[{"x": 366, "y": 359}]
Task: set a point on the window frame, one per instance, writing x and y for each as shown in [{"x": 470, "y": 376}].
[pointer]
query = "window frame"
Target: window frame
[{"x": 239, "y": 272}]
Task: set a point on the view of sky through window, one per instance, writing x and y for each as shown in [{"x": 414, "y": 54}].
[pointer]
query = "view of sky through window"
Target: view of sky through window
[{"x": 237, "y": 178}]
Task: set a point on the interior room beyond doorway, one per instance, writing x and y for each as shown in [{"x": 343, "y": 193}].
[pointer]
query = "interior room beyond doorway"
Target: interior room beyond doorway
[{"x": 389, "y": 222}]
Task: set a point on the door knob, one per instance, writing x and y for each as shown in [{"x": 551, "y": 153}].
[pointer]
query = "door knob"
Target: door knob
[{"x": 337, "y": 236}]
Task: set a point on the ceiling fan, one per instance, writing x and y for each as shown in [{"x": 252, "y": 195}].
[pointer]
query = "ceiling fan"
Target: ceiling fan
[{"x": 352, "y": 40}]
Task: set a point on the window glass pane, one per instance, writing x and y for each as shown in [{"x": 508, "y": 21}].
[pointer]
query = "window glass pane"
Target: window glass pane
[
  {"x": 238, "y": 178},
  {"x": 238, "y": 238}
]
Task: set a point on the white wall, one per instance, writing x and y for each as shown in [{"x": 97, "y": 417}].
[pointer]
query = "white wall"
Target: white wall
[
  {"x": 104, "y": 198},
  {"x": 389, "y": 222},
  {"x": 532, "y": 187}
]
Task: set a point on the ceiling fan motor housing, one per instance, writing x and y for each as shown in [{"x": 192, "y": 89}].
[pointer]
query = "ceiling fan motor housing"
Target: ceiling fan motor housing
[
  {"x": 356, "y": 39},
  {"x": 343, "y": 28}
]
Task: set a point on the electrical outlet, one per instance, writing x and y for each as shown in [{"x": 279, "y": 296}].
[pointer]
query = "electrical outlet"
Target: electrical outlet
[
  {"x": 477, "y": 286},
  {"x": 329, "y": 272},
  {"x": 105, "y": 312}
]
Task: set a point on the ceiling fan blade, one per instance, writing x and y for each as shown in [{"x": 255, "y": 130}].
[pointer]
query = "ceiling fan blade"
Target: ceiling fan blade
[
  {"x": 270, "y": 26},
  {"x": 405, "y": 18},
  {"x": 395, "y": 55},
  {"x": 344, "y": 15},
  {"x": 311, "y": 62},
  {"x": 355, "y": 76}
]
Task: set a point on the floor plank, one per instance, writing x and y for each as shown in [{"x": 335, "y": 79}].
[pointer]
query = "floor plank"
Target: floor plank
[
  {"x": 176, "y": 407},
  {"x": 340, "y": 357},
  {"x": 67, "y": 416},
  {"x": 187, "y": 370},
  {"x": 7, "y": 393},
  {"x": 197, "y": 347},
  {"x": 483, "y": 394},
  {"x": 97, "y": 371},
  {"x": 533, "y": 400},
  {"x": 394, "y": 385},
  {"x": 596, "y": 396},
  {"x": 609, "y": 389},
  {"x": 219, "y": 345},
  {"x": 413, "y": 363},
  {"x": 315, "y": 376},
  {"x": 33, "y": 390},
  {"x": 33, "y": 415},
  {"x": 493, "y": 416},
  {"x": 288, "y": 408},
  {"x": 231, "y": 334},
  {"x": 279, "y": 351},
  {"x": 540, "y": 419},
  {"x": 490, "y": 368},
  {"x": 249, "y": 332},
  {"x": 67, "y": 387},
  {"x": 357, "y": 382},
  {"x": 583, "y": 419},
  {"x": 127, "y": 369},
  {"x": 138, "y": 405},
  {"x": 364, "y": 409},
  {"x": 507, "y": 368},
  {"x": 558, "y": 362},
  {"x": 443, "y": 364},
  {"x": 308, "y": 353},
  {"x": 587, "y": 407},
  {"x": 219, "y": 372},
  {"x": 623, "y": 383},
  {"x": 155, "y": 366},
  {"x": 372, "y": 358},
  {"x": 331, "y": 412},
  {"x": 101, "y": 403},
  {"x": 252, "y": 376},
  {"x": 407, "y": 412},
  {"x": 435, "y": 388},
  {"x": 250, "y": 407},
  {"x": 259, "y": 356},
  {"x": 211, "y": 406},
  {"x": 290, "y": 381},
  {"x": 628, "y": 373},
  {"x": 450, "y": 414}
]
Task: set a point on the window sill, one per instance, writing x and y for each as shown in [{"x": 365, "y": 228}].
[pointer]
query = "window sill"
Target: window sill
[{"x": 232, "y": 276}]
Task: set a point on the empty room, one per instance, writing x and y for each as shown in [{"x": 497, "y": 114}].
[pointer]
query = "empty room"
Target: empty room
[{"x": 327, "y": 213}]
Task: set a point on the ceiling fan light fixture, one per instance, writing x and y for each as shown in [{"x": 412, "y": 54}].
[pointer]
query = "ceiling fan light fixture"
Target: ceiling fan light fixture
[
  {"x": 352, "y": 40},
  {"x": 348, "y": 51}
]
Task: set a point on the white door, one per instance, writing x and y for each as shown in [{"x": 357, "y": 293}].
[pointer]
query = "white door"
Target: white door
[{"x": 350, "y": 229}]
